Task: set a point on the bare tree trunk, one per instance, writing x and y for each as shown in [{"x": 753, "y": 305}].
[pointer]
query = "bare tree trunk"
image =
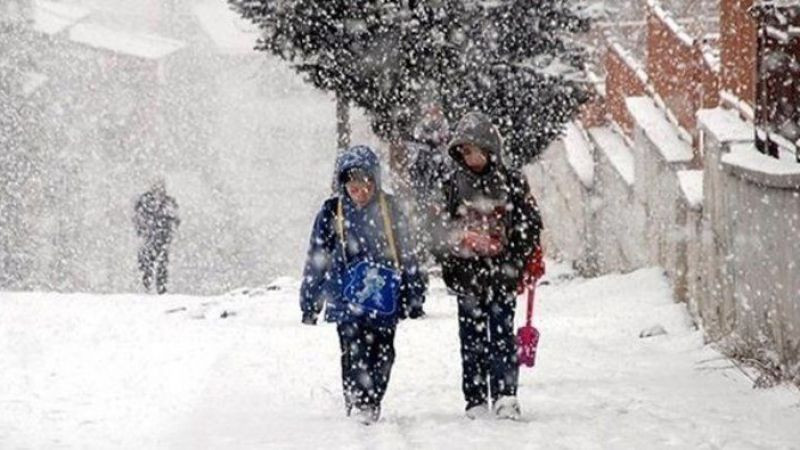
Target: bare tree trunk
[
  {"x": 342, "y": 122},
  {"x": 342, "y": 131},
  {"x": 398, "y": 164}
]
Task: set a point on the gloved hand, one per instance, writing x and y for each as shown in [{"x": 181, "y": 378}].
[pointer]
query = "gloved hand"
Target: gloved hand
[
  {"x": 416, "y": 313},
  {"x": 534, "y": 270},
  {"x": 411, "y": 310},
  {"x": 536, "y": 264},
  {"x": 309, "y": 318},
  {"x": 481, "y": 244}
]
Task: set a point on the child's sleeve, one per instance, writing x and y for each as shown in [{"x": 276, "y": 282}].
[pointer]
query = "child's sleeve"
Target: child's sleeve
[
  {"x": 527, "y": 222},
  {"x": 526, "y": 225},
  {"x": 317, "y": 270}
]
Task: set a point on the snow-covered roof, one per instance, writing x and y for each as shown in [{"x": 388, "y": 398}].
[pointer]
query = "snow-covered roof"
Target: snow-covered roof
[
  {"x": 691, "y": 182},
  {"x": 749, "y": 163},
  {"x": 579, "y": 154},
  {"x": 148, "y": 46},
  {"x": 616, "y": 150},
  {"x": 663, "y": 135},
  {"x": 725, "y": 125},
  {"x": 231, "y": 33},
  {"x": 52, "y": 18}
]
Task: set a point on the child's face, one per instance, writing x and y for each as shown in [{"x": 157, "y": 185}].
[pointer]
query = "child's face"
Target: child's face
[
  {"x": 474, "y": 157},
  {"x": 361, "y": 190}
]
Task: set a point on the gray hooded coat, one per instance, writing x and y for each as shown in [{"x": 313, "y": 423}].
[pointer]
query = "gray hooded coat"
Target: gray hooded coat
[{"x": 496, "y": 202}]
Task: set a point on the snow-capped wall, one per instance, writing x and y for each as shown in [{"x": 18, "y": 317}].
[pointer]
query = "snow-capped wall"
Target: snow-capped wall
[
  {"x": 752, "y": 251},
  {"x": 619, "y": 218},
  {"x": 566, "y": 204},
  {"x": 641, "y": 207},
  {"x": 660, "y": 155},
  {"x": 725, "y": 235}
]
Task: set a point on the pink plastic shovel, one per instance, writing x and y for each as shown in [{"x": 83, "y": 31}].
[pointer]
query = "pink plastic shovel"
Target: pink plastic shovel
[{"x": 528, "y": 335}]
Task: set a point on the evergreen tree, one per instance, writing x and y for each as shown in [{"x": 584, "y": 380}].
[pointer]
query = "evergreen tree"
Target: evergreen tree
[
  {"x": 382, "y": 55},
  {"x": 513, "y": 59},
  {"x": 426, "y": 55},
  {"x": 522, "y": 67}
]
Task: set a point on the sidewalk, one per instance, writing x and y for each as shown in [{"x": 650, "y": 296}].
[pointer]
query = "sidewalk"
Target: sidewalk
[{"x": 132, "y": 372}]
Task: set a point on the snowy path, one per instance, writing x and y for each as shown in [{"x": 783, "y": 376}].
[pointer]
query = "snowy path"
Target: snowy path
[{"x": 92, "y": 372}]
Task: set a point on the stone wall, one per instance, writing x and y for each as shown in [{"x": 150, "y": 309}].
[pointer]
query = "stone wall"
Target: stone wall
[
  {"x": 753, "y": 250},
  {"x": 660, "y": 158},
  {"x": 565, "y": 203},
  {"x": 726, "y": 236},
  {"x": 619, "y": 218}
]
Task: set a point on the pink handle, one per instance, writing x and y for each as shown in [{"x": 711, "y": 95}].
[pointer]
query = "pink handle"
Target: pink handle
[{"x": 531, "y": 293}]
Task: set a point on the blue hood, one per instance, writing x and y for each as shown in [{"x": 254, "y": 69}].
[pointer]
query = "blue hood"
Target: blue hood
[{"x": 358, "y": 157}]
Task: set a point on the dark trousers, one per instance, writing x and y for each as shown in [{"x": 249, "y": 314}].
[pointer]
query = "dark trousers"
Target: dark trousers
[
  {"x": 367, "y": 358},
  {"x": 153, "y": 259},
  {"x": 488, "y": 347}
]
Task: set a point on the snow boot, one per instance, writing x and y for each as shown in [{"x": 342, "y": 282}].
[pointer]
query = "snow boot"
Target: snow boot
[
  {"x": 478, "y": 412},
  {"x": 366, "y": 415},
  {"x": 507, "y": 407}
]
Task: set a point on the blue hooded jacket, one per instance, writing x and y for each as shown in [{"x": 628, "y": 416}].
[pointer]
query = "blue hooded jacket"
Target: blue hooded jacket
[{"x": 326, "y": 265}]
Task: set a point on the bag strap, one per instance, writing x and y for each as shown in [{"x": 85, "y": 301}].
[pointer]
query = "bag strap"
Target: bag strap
[
  {"x": 531, "y": 296},
  {"x": 340, "y": 227},
  {"x": 387, "y": 228}
]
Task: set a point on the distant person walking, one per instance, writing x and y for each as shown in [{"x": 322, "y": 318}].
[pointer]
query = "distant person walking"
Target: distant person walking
[
  {"x": 427, "y": 172},
  {"x": 155, "y": 218}
]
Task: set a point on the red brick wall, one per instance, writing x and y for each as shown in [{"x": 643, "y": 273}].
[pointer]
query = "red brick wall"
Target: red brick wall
[
  {"x": 738, "y": 45},
  {"x": 593, "y": 112},
  {"x": 678, "y": 72},
  {"x": 621, "y": 82}
]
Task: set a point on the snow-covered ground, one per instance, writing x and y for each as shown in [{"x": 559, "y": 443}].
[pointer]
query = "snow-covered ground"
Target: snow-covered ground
[{"x": 139, "y": 372}]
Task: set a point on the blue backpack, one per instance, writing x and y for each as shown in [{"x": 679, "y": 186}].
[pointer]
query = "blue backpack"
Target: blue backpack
[{"x": 371, "y": 288}]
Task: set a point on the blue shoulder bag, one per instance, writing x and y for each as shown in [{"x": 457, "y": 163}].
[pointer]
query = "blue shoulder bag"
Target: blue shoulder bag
[{"x": 371, "y": 288}]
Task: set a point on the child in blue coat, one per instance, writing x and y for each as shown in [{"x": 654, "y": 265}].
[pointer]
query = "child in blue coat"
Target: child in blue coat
[{"x": 361, "y": 266}]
